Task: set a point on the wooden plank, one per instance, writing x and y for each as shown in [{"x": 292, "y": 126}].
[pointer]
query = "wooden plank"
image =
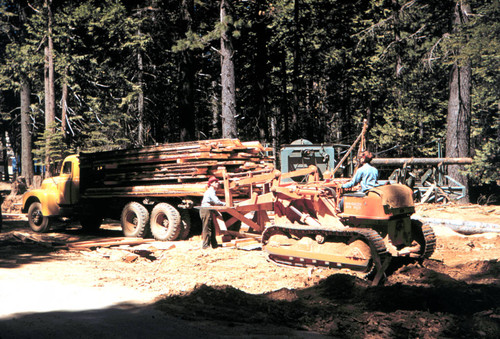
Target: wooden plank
[
  {"x": 167, "y": 159},
  {"x": 428, "y": 194},
  {"x": 244, "y": 234},
  {"x": 172, "y": 158},
  {"x": 263, "y": 178},
  {"x": 162, "y": 158},
  {"x": 168, "y": 147},
  {"x": 230, "y": 222},
  {"x": 300, "y": 172},
  {"x": 186, "y": 147},
  {"x": 227, "y": 192},
  {"x": 100, "y": 243},
  {"x": 104, "y": 240},
  {"x": 245, "y": 220},
  {"x": 268, "y": 206},
  {"x": 220, "y": 225},
  {"x": 240, "y": 241},
  {"x": 141, "y": 171},
  {"x": 166, "y": 190}
]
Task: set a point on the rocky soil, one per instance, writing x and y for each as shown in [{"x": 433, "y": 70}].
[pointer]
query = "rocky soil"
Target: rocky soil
[{"x": 235, "y": 292}]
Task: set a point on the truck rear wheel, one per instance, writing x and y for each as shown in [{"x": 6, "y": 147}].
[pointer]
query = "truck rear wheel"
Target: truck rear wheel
[
  {"x": 37, "y": 221},
  {"x": 134, "y": 220},
  {"x": 165, "y": 222}
]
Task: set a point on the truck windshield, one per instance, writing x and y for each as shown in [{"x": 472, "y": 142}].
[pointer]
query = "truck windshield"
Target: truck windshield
[{"x": 66, "y": 168}]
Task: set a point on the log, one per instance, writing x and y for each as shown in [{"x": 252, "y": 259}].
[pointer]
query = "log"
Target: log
[{"x": 421, "y": 161}]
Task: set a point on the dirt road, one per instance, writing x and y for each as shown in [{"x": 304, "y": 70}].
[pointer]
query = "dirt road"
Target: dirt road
[{"x": 186, "y": 292}]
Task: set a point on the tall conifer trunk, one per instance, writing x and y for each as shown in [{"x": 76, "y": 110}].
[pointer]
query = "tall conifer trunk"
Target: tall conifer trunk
[
  {"x": 186, "y": 79},
  {"x": 229, "y": 129},
  {"x": 49, "y": 88},
  {"x": 64, "y": 103},
  {"x": 215, "y": 108},
  {"x": 140, "y": 98},
  {"x": 261, "y": 72},
  {"x": 27, "y": 169},
  {"x": 459, "y": 107},
  {"x": 140, "y": 84},
  {"x": 26, "y": 157},
  {"x": 295, "y": 123}
]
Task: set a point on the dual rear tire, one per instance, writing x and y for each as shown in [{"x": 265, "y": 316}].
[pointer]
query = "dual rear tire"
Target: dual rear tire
[
  {"x": 165, "y": 221},
  {"x": 134, "y": 220}
]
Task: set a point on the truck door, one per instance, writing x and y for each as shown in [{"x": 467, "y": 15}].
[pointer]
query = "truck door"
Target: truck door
[{"x": 65, "y": 184}]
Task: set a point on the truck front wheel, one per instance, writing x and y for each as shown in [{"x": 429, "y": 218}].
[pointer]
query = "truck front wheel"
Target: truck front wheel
[
  {"x": 37, "y": 221},
  {"x": 134, "y": 220},
  {"x": 165, "y": 222}
]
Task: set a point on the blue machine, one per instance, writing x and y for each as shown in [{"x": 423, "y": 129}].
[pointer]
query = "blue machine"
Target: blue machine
[{"x": 302, "y": 153}]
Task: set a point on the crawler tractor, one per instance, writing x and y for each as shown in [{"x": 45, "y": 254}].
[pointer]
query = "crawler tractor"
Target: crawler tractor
[{"x": 309, "y": 229}]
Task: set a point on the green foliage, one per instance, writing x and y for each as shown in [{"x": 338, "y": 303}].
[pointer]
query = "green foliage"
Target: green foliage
[
  {"x": 51, "y": 144},
  {"x": 484, "y": 168},
  {"x": 194, "y": 41},
  {"x": 398, "y": 79},
  {"x": 340, "y": 62}
]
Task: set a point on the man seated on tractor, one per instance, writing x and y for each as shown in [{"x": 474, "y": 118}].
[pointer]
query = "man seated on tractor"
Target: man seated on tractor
[{"x": 366, "y": 175}]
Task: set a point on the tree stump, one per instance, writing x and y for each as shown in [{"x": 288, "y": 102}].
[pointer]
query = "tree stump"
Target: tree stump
[
  {"x": 19, "y": 186},
  {"x": 37, "y": 181}
]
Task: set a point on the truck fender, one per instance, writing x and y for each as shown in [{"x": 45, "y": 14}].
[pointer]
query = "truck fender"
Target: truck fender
[{"x": 47, "y": 199}]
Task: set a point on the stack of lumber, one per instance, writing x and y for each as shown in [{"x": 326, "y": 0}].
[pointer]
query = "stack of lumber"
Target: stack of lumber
[{"x": 173, "y": 169}]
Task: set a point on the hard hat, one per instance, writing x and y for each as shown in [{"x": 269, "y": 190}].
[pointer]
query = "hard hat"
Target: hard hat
[{"x": 212, "y": 179}]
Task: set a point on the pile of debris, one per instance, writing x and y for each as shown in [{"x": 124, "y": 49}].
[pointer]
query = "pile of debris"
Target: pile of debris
[{"x": 119, "y": 248}]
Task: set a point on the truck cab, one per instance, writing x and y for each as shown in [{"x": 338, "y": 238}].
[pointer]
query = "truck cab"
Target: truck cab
[{"x": 56, "y": 197}]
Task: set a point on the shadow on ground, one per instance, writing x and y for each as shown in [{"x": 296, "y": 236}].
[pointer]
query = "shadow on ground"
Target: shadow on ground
[
  {"x": 344, "y": 306},
  {"x": 133, "y": 321},
  {"x": 121, "y": 321},
  {"x": 340, "y": 306},
  {"x": 16, "y": 249}
]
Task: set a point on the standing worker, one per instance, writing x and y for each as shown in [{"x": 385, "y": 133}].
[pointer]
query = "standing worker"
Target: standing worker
[
  {"x": 209, "y": 199},
  {"x": 367, "y": 175}
]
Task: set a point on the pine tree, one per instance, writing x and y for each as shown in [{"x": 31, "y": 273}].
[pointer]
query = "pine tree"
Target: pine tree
[
  {"x": 16, "y": 72},
  {"x": 228, "y": 97}
]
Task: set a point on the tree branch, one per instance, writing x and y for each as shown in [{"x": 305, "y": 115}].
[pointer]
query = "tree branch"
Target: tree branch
[{"x": 431, "y": 52}]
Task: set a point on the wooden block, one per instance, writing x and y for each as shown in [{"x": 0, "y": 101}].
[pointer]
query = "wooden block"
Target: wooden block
[{"x": 131, "y": 257}]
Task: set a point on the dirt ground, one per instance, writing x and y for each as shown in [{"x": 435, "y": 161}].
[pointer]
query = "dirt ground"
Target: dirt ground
[{"x": 233, "y": 292}]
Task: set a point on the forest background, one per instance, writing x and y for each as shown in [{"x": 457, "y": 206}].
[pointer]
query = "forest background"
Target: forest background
[{"x": 96, "y": 75}]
